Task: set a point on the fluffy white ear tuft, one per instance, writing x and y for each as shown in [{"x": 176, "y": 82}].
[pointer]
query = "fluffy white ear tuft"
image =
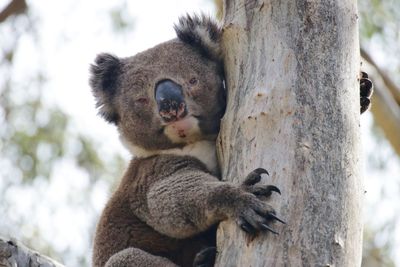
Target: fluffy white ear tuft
[{"x": 201, "y": 32}]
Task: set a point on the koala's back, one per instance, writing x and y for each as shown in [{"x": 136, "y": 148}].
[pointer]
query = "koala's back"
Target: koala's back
[{"x": 120, "y": 223}]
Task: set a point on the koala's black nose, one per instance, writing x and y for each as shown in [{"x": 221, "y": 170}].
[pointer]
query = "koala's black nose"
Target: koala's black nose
[{"x": 170, "y": 101}]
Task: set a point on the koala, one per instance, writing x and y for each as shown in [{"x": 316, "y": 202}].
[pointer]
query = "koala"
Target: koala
[{"x": 167, "y": 103}]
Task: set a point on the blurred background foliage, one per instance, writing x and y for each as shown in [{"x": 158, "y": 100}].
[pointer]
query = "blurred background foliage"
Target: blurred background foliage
[{"x": 54, "y": 173}]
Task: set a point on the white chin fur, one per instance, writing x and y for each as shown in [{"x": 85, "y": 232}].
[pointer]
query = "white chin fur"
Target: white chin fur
[
  {"x": 183, "y": 131},
  {"x": 202, "y": 150}
]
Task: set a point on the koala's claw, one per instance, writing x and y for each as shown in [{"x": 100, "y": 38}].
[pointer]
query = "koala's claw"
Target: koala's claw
[
  {"x": 245, "y": 226},
  {"x": 250, "y": 229},
  {"x": 261, "y": 191},
  {"x": 267, "y": 228},
  {"x": 205, "y": 258},
  {"x": 365, "y": 87},
  {"x": 260, "y": 171},
  {"x": 366, "y": 90},
  {"x": 272, "y": 188},
  {"x": 255, "y": 176},
  {"x": 272, "y": 215},
  {"x": 365, "y": 103}
]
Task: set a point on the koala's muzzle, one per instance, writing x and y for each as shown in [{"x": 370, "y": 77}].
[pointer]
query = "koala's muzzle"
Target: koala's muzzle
[{"x": 170, "y": 101}]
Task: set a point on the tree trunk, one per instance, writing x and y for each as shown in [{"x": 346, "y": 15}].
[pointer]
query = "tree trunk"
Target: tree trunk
[
  {"x": 15, "y": 254},
  {"x": 293, "y": 108}
]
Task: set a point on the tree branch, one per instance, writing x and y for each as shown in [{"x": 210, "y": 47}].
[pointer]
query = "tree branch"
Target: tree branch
[
  {"x": 385, "y": 102},
  {"x": 15, "y": 7},
  {"x": 391, "y": 86},
  {"x": 13, "y": 253}
]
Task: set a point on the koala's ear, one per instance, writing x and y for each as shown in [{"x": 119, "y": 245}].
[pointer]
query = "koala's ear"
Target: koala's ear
[
  {"x": 104, "y": 77},
  {"x": 201, "y": 32}
]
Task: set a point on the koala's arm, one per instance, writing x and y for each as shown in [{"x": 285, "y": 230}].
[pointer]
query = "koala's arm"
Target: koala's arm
[
  {"x": 188, "y": 203},
  {"x": 190, "y": 200}
]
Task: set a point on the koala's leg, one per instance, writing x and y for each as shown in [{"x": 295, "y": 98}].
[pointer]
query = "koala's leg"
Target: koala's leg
[{"x": 134, "y": 257}]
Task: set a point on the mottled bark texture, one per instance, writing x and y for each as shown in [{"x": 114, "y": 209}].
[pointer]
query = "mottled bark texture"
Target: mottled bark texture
[
  {"x": 15, "y": 254},
  {"x": 293, "y": 108}
]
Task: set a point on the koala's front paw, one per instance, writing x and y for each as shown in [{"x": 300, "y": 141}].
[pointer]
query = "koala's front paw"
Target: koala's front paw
[
  {"x": 253, "y": 214},
  {"x": 205, "y": 258},
  {"x": 366, "y": 90}
]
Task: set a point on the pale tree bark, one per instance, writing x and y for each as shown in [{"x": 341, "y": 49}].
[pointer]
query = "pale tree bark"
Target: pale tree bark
[
  {"x": 12, "y": 253},
  {"x": 293, "y": 108}
]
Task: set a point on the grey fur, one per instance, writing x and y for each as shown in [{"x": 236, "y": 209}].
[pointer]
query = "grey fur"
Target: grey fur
[
  {"x": 167, "y": 205},
  {"x": 104, "y": 81},
  {"x": 201, "y": 32}
]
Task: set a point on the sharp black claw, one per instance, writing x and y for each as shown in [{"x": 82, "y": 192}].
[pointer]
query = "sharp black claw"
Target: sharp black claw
[
  {"x": 366, "y": 87},
  {"x": 255, "y": 176},
  {"x": 246, "y": 227},
  {"x": 365, "y": 104},
  {"x": 266, "y": 227},
  {"x": 364, "y": 75},
  {"x": 252, "y": 179},
  {"x": 276, "y": 218},
  {"x": 260, "y": 171},
  {"x": 275, "y": 189}
]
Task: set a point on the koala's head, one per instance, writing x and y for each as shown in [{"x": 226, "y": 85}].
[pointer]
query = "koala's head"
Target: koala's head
[{"x": 167, "y": 96}]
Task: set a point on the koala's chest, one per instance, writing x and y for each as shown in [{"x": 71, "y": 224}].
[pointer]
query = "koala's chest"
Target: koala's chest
[{"x": 203, "y": 151}]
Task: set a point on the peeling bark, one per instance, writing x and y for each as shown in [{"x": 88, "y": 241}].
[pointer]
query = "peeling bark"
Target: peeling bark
[{"x": 293, "y": 108}]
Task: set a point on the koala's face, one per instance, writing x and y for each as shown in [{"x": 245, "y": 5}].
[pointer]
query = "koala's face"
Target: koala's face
[{"x": 166, "y": 97}]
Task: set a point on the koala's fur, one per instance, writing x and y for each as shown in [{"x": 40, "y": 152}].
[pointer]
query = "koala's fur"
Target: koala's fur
[{"x": 169, "y": 201}]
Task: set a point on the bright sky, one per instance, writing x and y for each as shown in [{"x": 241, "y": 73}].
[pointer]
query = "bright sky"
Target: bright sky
[{"x": 71, "y": 34}]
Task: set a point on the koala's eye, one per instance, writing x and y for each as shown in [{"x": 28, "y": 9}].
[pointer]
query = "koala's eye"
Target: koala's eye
[
  {"x": 193, "y": 81},
  {"x": 142, "y": 100}
]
